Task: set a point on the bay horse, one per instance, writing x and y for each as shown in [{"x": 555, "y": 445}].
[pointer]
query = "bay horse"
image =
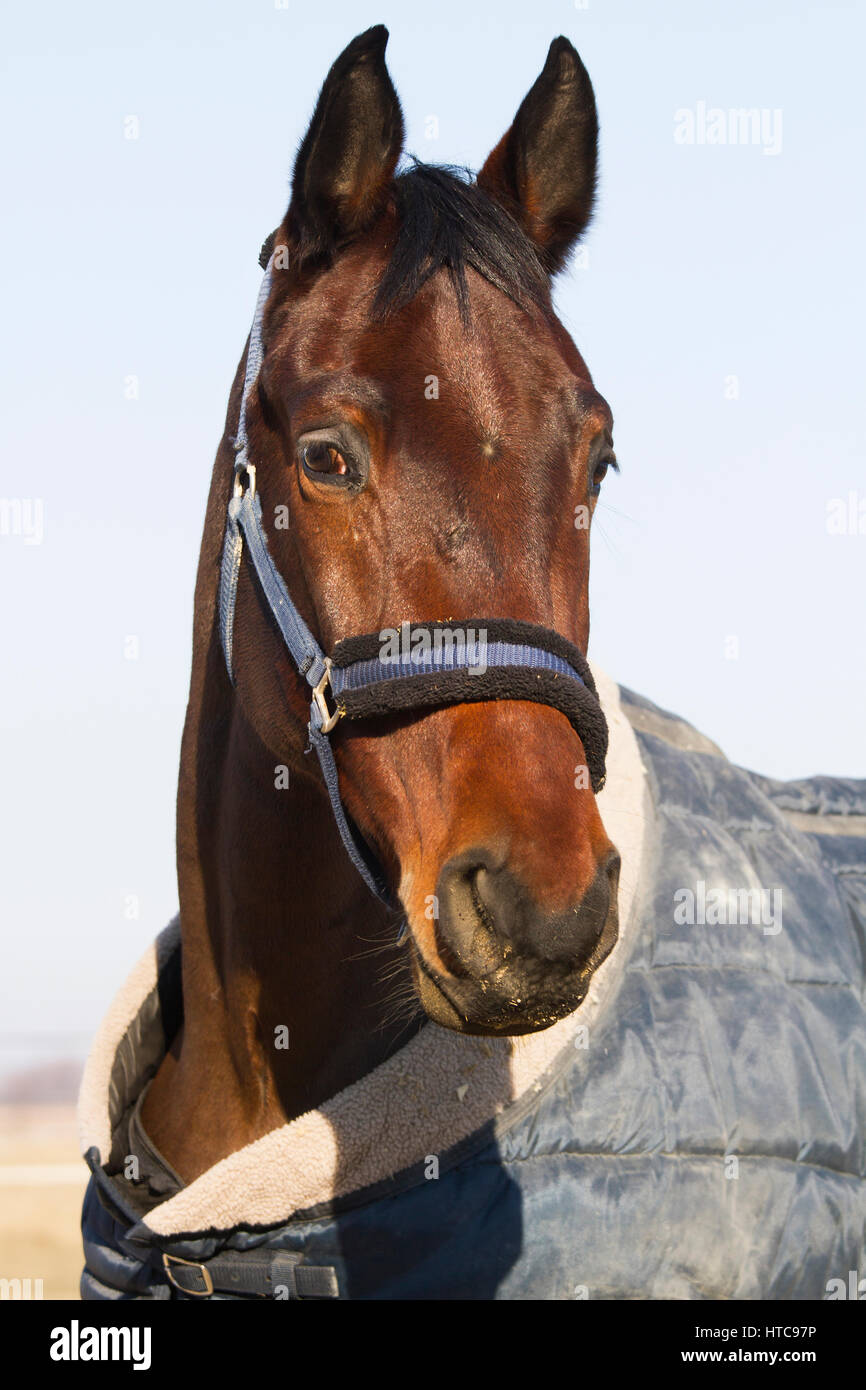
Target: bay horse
[{"x": 425, "y": 437}]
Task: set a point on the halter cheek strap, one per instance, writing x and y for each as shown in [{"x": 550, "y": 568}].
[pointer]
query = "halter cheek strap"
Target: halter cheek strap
[
  {"x": 244, "y": 523},
  {"x": 420, "y": 666}
]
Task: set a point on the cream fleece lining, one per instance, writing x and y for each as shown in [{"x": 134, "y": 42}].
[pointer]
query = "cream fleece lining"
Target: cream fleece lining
[{"x": 432, "y": 1094}]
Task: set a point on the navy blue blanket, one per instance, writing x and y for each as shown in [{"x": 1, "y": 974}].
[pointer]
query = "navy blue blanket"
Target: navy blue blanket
[{"x": 710, "y": 1144}]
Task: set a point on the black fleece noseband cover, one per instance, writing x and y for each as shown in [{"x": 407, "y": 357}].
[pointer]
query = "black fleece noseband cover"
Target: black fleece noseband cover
[{"x": 524, "y": 662}]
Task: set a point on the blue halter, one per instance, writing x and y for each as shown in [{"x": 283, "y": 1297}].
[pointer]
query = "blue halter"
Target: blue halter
[{"x": 513, "y": 660}]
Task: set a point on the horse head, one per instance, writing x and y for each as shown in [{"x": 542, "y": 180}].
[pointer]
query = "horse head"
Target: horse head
[{"x": 429, "y": 447}]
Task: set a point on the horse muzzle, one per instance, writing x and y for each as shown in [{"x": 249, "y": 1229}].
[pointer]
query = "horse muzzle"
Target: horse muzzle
[{"x": 505, "y": 965}]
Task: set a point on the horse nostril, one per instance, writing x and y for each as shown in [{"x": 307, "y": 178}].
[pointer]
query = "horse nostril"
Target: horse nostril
[
  {"x": 487, "y": 919},
  {"x": 469, "y": 923},
  {"x": 483, "y": 898}
]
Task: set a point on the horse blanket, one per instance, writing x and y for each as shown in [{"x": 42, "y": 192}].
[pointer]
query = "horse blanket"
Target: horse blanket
[{"x": 695, "y": 1130}]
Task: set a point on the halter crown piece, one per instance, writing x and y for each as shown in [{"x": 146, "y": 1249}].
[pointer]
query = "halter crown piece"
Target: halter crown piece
[{"x": 504, "y": 660}]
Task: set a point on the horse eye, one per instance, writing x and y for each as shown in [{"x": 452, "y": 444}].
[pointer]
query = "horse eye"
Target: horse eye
[
  {"x": 600, "y": 472},
  {"x": 323, "y": 458},
  {"x": 598, "y": 477}
]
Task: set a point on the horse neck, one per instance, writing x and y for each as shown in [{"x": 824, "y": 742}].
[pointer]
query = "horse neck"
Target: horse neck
[{"x": 283, "y": 1004}]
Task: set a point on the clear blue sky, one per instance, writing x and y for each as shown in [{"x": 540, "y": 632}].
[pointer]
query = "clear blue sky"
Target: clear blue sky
[{"x": 139, "y": 258}]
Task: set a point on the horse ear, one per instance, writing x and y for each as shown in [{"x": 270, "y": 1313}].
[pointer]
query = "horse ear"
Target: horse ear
[
  {"x": 544, "y": 168},
  {"x": 348, "y": 156}
]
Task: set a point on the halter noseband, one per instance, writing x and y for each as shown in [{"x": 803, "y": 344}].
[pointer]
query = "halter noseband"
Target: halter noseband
[{"x": 434, "y": 664}]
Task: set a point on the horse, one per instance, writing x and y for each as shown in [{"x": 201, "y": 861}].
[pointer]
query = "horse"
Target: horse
[
  {"x": 402, "y": 504},
  {"x": 412, "y": 441}
]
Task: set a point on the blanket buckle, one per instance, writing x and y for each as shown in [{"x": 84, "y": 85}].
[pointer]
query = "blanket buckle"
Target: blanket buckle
[{"x": 186, "y": 1282}]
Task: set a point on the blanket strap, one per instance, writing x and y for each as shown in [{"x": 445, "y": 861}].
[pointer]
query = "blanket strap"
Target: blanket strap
[{"x": 263, "y": 1274}]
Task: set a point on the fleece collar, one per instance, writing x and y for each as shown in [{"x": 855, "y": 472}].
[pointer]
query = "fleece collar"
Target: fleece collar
[{"x": 430, "y": 1096}]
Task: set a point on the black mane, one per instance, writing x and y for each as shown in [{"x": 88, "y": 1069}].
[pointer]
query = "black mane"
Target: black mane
[{"x": 446, "y": 222}]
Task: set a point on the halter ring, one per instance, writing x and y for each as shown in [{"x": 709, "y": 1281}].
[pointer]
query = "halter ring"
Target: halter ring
[
  {"x": 329, "y": 720},
  {"x": 250, "y": 470}
]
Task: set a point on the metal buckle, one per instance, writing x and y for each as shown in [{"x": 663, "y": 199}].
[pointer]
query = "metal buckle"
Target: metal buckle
[
  {"x": 328, "y": 719},
  {"x": 169, "y": 1260},
  {"x": 238, "y": 490}
]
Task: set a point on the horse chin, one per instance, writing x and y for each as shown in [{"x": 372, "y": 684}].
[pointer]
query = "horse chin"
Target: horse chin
[
  {"x": 466, "y": 1007},
  {"x": 502, "y": 992}
]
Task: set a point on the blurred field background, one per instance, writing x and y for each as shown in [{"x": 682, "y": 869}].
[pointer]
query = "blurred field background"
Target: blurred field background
[{"x": 42, "y": 1180}]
